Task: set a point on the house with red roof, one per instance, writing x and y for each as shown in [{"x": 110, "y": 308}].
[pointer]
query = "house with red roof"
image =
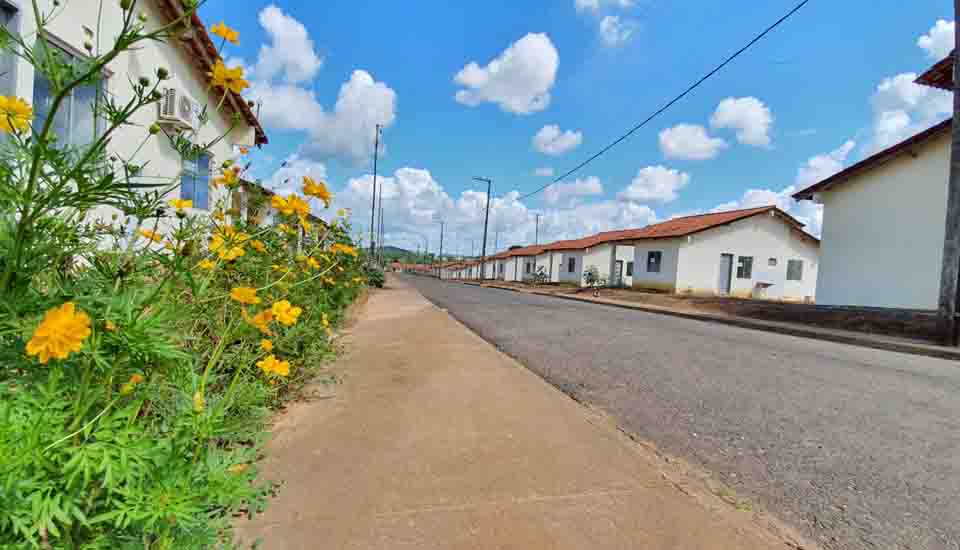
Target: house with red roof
[{"x": 884, "y": 218}]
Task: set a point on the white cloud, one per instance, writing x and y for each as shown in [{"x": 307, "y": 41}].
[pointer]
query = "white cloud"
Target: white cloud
[
  {"x": 587, "y": 187},
  {"x": 286, "y": 106},
  {"x": 749, "y": 116},
  {"x": 820, "y": 167},
  {"x": 939, "y": 42},
  {"x": 289, "y": 177},
  {"x": 902, "y": 108},
  {"x": 595, "y": 5},
  {"x": 655, "y": 184},
  {"x": 544, "y": 172},
  {"x": 348, "y": 131},
  {"x": 551, "y": 141},
  {"x": 806, "y": 212},
  {"x": 615, "y": 31},
  {"x": 519, "y": 80},
  {"x": 291, "y": 51},
  {"x": 690, "y": 142}
]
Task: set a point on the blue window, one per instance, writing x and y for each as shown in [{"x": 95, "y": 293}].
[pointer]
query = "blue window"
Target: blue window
[{"x": 195, "y": 181}]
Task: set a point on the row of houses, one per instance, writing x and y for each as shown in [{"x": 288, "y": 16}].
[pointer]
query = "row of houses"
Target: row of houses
[{"x": 758, "y": 252}]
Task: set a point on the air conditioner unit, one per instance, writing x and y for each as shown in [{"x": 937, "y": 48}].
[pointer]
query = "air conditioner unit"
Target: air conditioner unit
[{"x": 176, "y": 109}]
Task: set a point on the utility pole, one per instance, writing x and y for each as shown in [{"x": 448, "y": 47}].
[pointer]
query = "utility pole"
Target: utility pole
[
  {"x": 486, "y": 222},
  {"x": 950, "y": 271},
  {"x": 536, "y": 238},
  {"x": 373, "y": 203},
  {"x": 383, "y": 231},
  {"x": 440, "y": 257}
]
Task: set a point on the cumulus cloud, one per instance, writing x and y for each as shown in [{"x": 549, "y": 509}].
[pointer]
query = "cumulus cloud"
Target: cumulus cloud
[
  {"x": 586, "y": 187},
  {"x": 519, "y": 80},
  {"x": 748, "y": 116},
  {"x": 289, "y": 177},
  {"x": 938, "y": 43},
  {"x": 544, "y": 172},
  {"x": 902, "y": 108},
  {"x": 550, "y": 140},
  {"x": 291, "y": 52},
  {"x": 616, "y": 31},
  {"x": 690, "y": 142},
  {"x": 655, "y": 184},
  {"x": 806, "y": 212},
  {"x": 286, "y": 106},
  {"x": 820, "y": 167}
]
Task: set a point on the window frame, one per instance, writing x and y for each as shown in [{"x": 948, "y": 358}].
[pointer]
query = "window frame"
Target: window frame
[
  {"x": 194, "y": 172},
  {"x": 658, "y": 254},
  {"x": 799, "y": 264},
  {"x": 745, "y": 267},
  {"x": 102, "y": 90},
  {"x": 572, "y": 264},
  {"x": 629, "y": 269},
  {"x": 11, "y": 13}
]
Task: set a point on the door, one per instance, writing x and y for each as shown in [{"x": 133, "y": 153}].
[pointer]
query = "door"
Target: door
[
  {"x": 726, "y": 273},
  {"x": 618, "y": 273}
]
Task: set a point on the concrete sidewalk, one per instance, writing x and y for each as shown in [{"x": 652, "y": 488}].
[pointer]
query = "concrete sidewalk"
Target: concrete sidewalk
[{"x": 438, "y": 441}]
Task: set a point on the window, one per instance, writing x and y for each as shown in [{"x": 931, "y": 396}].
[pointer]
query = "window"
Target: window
[
  {"x": 629, "y": 269},
  {"x": 571, "y": 265},
  {"x": 10, "y": 21},
  {"x": 772, "y": 262},
  {"x": 77, "y": 122},
  {"x": 745, "y": 267},
  {"x": 653, "y": 261},
  {"x": 528, "y": 267},
  {"x": 195, "y": 181},
  {"x": 795, "y": 270}
]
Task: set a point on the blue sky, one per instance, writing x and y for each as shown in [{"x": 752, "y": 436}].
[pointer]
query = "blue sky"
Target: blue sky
[{"x": 822, "y": 91}]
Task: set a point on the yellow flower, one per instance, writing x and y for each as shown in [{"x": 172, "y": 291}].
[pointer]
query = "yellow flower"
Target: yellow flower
[
  {"x": 312, "y": 262},
  {"x": 318, "y": 190},
  {"x": 325, "y": 321},
  {"x": 245, "y": 295},
  {"x": 151, "y": 235},
  {"x": 272, "y": 365},
  {"x": 338, "y": 248},
  {"x": 199, "y": 403},
  {"x": 232, "y": 253},
  {"x": 207, "y": 264},
  {"x": 15, "y": 114},
  {"x": 290, "y": 205},
  {"x": 131, "y": 384},
  {"x": 228, "y": 79},
  {"x": 280, "y": 268},
  {"x": 181, "y": 204},
  {"x": 61, "y": 333},
  {"x": 305, "y": 224},
  {"x": 261, "y": 321},
  {"x": 109, "y": 326},
  {"x": 218, "y": 215},
  {"x": 258, "y": 246},
  {"x": 230, "y": 177},
  {"x": 286, "y": 313},
  {"x": 226, "y": 33},
  {"x": 266, "y": 345},
  {"x": 238, "y": 469}
]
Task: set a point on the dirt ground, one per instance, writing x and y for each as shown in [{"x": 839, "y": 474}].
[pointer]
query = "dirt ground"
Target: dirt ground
[{"x": 435, "y": 440}]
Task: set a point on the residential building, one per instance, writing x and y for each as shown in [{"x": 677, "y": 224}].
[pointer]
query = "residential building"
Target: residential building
[
  {"x": 521, "y": 263},
  {"x": 187, "y": 58},
  {"x": 754, "y": 253},
  {"x": 884, "y": 218}
]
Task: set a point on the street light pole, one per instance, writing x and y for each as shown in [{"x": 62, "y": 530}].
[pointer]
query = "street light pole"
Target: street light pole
[
  {"x": 536, "y": 238},
  {"x": 373, "y": 203},
  {"x": 950, "y": 268},
  {"x": 440, "y": 257},
  {"x": 486, "y": 222}
]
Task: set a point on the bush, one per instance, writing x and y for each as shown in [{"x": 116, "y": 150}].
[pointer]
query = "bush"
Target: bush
[
  {"x": 141, "y": 357},
  {"x": 375, "y": 276}
]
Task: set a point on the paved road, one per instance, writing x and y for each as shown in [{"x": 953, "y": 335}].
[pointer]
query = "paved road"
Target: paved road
[{"x": 858, "y": 448}]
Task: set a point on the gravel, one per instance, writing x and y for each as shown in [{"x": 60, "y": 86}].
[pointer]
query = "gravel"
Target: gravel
[{"x": 857, "y": 448}]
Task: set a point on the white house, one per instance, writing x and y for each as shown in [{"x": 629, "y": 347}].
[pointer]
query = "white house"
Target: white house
[
  {"x": 884, "y": 218},
  {"x": 520, "y": 263},
  {"x": 760, "y": 253},
  {"x": 566, "y": 263},
  {"x": 188, "y": 59}
]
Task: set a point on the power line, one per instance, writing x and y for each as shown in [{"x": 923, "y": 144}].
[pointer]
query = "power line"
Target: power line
[{"x": 686, "y": 92}]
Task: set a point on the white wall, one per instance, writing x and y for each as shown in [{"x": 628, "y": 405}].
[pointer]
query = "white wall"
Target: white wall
[
  {"x": 761, "y": 237},
  {"x": 561, "y": 261},
  {"x": 514, "y": 269},
  {"x": 666, "y": 279},
  {"x": 163, "y": 164},
  {"x": 599, "y": 257},
  {"x": 883, "y": 233}
]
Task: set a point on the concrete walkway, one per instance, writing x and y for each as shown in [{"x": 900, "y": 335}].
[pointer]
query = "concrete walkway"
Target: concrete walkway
[{"x": 436, "y": 440}]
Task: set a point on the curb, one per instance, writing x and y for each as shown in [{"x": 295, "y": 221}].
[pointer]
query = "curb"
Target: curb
[{"x": 798, "y": 331}]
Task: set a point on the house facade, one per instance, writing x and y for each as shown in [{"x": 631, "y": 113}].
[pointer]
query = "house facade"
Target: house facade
[
  {"x": 187, "y": 59},
  {"x": 884, "y": 218},
  {"x": 755, "y": 253}
]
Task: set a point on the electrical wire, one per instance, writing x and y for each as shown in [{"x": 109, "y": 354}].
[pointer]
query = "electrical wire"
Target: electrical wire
[{"x": 686, "y": 92}]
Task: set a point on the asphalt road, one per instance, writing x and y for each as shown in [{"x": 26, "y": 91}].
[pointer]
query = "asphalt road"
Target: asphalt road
[{"x": 858, "y": 448}]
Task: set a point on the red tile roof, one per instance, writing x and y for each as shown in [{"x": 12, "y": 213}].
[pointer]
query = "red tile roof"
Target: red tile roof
[
  {"x": 525, "y": 251},
  {"x": 875, "y": 160},
  {"x": 199, "y": 43},
  {"x": 940, "y": 75}
]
